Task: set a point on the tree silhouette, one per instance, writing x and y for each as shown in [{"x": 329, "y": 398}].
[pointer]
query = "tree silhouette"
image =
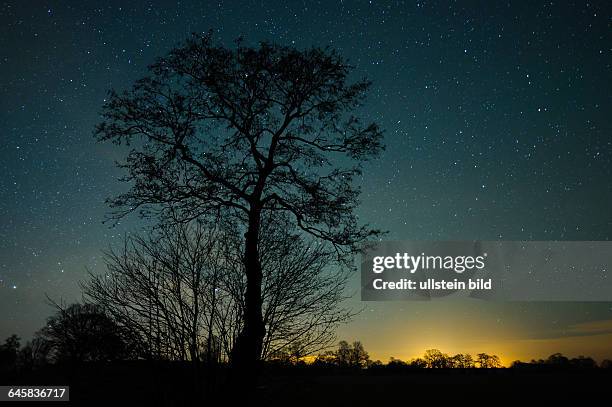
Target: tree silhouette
[
  {"x": 351, "y": 355},
  {"x": 462, "y": 361},
  {"x": 326, "y": 359},
  {"x": 35, "y": 353},
  {"x": 164, "y": 287},
  {"x": 241, "y": 132},
  {"x": 8, "y": 352},
  {"x": 583, "y": 362},
  {"x": 418, "y": 363},
  {"x": 437, "y": 360},
  {"x": 396, "y": 364},
  {"x": 302, "y": 289},
  {"x": 486, "y": 361},
  {"x": 84, "y": 333},
  {"x": 559, "y": 361},
  {"x": 180, "y": 288}
]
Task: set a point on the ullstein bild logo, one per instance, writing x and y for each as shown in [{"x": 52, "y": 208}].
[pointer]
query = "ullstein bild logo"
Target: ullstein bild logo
[{"x": 492, "y": 270}]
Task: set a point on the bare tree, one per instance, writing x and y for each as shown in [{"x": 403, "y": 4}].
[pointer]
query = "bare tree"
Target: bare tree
[
  {"x": 165, "y": 286},
  {"x": 302, "y": 292},
  {"x": 353, "y": 356},
  {"x": 244, "y": 132},
  {"x": 437, "y": 360},
  {"x": 486, "y": 361},
  {"x": 182, "y": 289},
  {"x": 462, "y": 361}
]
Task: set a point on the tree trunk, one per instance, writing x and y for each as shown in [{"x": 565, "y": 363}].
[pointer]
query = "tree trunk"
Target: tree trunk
[{"x": 247, "y": 350}]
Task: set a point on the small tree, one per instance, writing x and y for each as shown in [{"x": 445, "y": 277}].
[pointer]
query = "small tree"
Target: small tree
[
  {"x": 396, "y": 364},
  {"x": 351, "y": 356},
  {"x": 84, "y": 333},
  {"x": 558, "y": 360},
  {"x": 359, "y": 357},
  {"x": 326, "y": 359},
  {"x": 583, "y": 362},
  {"x": 437, "y": 360},
  {"x": 165, "y": 287},
  {"x": 8, "y": 352},
  {"x": 462, "y": 361},
  {"x": 486, "y": 361},
  {"x": 418, "y": 363},
  {"x": 34, "y": 353}
]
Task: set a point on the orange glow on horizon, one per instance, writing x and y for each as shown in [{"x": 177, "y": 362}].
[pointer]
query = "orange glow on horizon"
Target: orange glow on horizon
[{"x": 473, "y": 333}]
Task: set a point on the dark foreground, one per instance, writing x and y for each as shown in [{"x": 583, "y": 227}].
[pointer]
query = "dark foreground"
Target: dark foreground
[{"x": 175, "y": 385}]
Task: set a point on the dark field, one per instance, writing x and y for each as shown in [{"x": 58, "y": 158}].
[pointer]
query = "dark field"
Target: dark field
[{"x": 176, "y": 385}]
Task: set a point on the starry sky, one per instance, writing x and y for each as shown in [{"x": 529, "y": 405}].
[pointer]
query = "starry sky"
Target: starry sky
[{"x": 497, "y": 127}]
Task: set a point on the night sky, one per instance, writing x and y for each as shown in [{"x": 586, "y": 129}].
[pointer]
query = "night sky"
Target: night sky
[{"x": 497, "y": 119}]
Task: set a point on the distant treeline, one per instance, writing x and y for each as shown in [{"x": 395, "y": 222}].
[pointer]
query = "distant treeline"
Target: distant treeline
[
  {"x": 83, "y": 343},
  {"x": 354, "y": 356}
]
